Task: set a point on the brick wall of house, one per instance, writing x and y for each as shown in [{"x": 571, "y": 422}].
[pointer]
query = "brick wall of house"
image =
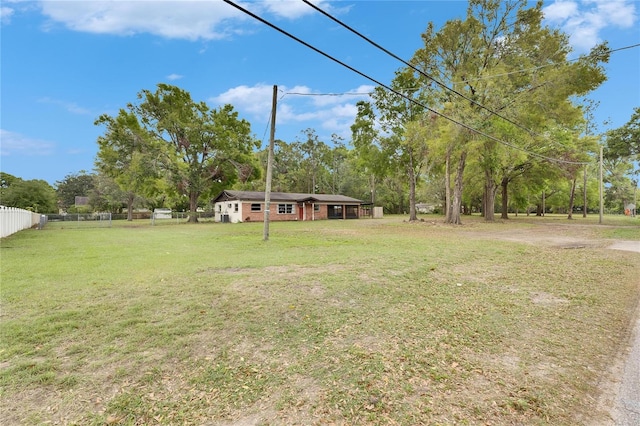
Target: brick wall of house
[
  {"x": 249, "y": 216},
  {"x": 258, "y": 216}
]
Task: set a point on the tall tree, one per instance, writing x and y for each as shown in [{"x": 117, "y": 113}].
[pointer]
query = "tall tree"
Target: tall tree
[
  {"x": 107, "y": 196},
  {"x": 288, "y": 174},
  {"x": 620, "y": 187},
  {"x": 74, "y": 185},
  {"x": 406, "y": 127},
  {"x": 622, "y": 152},
  {"x": 314, "y": 159},
  {"x": 365, "y": 138},
  {"x": 209, "y": 147},
  {"x": 129, "y": 154},
  {"x": 337, "y": 164},
  {"x": 502, "y": 38}
]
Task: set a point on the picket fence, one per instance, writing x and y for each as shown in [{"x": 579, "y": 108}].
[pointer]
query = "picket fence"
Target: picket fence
[{"x": 13, "y": 220}]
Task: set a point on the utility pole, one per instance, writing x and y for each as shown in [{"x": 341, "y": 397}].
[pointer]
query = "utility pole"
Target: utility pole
[
  {"x": 267, "y": 191},
  {"x": 601, "y": 188}
]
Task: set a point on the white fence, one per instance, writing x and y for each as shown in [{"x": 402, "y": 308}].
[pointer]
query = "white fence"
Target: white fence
[{"x": 13, "y": 220}]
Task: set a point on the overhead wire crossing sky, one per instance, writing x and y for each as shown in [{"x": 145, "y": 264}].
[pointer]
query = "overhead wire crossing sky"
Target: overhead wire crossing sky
[{"x": 385, "y": 86}]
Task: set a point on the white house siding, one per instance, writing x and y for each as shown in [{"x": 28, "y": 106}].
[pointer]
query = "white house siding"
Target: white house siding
[{"x": 228, "y": 208}]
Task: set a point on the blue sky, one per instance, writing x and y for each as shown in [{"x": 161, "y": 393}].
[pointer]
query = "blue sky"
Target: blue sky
[{"x": 64, "y": 63}]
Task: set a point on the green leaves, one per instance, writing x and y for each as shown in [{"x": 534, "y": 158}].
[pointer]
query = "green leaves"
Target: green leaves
[
  {"x": 35, "y": 195},
  {"x": 168, "y": 136}
]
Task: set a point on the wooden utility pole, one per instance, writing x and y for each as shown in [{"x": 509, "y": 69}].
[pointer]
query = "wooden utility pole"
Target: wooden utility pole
[{"x": 267, "y": 191}]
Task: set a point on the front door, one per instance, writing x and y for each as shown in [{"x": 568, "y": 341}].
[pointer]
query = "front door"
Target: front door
[{"x": 301, "y": 212}]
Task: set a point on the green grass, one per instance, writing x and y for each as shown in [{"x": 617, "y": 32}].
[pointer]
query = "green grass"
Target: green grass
[{"x": 351, "y": 322}]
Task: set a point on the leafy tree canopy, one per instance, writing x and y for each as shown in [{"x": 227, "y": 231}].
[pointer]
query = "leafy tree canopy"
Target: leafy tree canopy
[
  {"x": 207, "y": 149},
  {"x": 624, "y": 142},
  {"x": 74, "y": 185},
  {"x": 35, "y": 195}
]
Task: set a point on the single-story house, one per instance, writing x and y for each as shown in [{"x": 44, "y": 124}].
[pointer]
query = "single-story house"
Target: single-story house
[{"x": 249, "y": 206}]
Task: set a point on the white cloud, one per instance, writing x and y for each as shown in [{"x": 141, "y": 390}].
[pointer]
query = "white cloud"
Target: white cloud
[
  {"x": 190, "y": 20},
  {"x": 332, "y": 113},
  {"x": 71, "y": 107},
  {"x": 292, "y": 9},
  {"x": 173, "y": 77},
  {"x": 255, "y": 100},
  {"x": 585, "y": 20},
  {"x": 560, "y": 10},
  {"x": 5, "y": 14},
  {"x": 12, "y": 143}
]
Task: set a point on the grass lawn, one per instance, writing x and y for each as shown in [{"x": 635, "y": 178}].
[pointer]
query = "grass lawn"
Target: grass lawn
[{"x": 330, "y": 322}]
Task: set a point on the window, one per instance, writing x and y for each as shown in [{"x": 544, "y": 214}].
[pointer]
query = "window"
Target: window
[
  {"x": 285, "y": 208},
  {"x": 256, "y": 207},
  {"x": 235, "y": 207},
  {"x": 316, "y": 207}
]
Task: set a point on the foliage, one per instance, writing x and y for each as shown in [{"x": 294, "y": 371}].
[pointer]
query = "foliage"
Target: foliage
[
  {"x": 74, "y": 185},
  {"x": 314, "y": 154},
  {"x": 130, "y": 156},
  {"x": 621, "y": 154},
  {"x": 198, "y": 150},
  {"x": 35, "y": 195},
  {"x": 624, "y": 142},
  {"x": 107, "y": 195},
  {"x": 310, "y": 166},
  {"x": 620, "y": 188},
  {"x": 502, "y": 38},
  {"x": 209, "y": 147}
]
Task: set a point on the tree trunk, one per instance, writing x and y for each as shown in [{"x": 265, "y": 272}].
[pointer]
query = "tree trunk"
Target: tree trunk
[
  {"x": 130, "y": 199},
  {"x": 447, "y": 187},
  {"x": 193, "y": 207},
  {"x": 505, "y": 199},
  {"x": 456, "y": 205},
  {"x": 571, "y": 198},
  {"x": 412, "y": 190},
  {"x": 488, "y": 207}
]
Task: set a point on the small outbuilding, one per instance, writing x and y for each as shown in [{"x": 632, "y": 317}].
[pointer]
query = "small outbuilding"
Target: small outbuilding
[{"x": 249, "y": 206}]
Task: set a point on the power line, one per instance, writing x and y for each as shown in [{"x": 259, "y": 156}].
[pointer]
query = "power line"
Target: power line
[
  {"x": 393, "y": 55},
  {"x": 546, "y": 65},
  {"x": 326, "y": 55},
  {"x": 444, "y": 86},
  {"x": 264, "y": 135},
  {"x": 329, "y": 94}
]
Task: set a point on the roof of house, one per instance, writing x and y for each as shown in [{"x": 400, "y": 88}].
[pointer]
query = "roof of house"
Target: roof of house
[{"x": 285, "y": 196}]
